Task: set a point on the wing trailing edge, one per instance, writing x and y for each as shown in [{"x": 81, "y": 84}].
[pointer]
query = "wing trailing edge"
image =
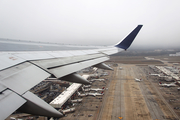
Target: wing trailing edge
[{"x": 127, "y": 41}]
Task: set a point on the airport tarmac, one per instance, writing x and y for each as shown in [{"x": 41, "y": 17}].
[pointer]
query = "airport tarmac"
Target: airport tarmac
[
  {"x": 127, "y": 99},
  {"x": 131, "y": 100}
]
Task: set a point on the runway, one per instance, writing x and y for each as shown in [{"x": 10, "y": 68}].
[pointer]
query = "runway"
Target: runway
[{"x": 130, "y": 100}]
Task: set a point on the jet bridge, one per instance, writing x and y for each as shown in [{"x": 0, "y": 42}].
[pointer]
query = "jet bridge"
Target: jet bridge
[
  {"x": 167, "y": 72},
  {"x": 65, "y": 95}
]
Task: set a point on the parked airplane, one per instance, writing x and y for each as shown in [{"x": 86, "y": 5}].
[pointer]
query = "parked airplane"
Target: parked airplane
[
  {"x": 138, "y": 80},
  {"x": 104, "y": 74},
  {"x": 87, "y": 90},
  {"x": 97, "y": 89},
  {"x": 94, "y": 89},
  {"x": 94, "y": 75},
  {"x": 120, "y": 68},
  {"x": 96, "y": 80},
  {"x": 167, "y": 85},
  {"x": 154, "y": 74},
  {"x": 77, "y": 101},
  {"x": 20, "y": 71},
  {"x": 90, "y": 94},
  {"x": 82, "y": 95},
  {"x": 96, "y": 94},
  {"x": 86, "y": 86},
  {"x": 68, "y": 110}
]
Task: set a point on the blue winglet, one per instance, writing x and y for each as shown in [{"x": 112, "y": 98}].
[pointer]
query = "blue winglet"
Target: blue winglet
[{"x": 127, "y": 41}]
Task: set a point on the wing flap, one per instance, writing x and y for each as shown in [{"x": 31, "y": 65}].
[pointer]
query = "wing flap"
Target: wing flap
[
  {"x": 22, "y": 77},
  {"x": 71, "y": 68},
  {"x": 51, "y": 63},
  {"x": 9, "y": 102}
]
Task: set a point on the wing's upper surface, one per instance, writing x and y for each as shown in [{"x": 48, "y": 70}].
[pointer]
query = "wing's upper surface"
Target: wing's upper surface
[{"x": 20, "y": 71}]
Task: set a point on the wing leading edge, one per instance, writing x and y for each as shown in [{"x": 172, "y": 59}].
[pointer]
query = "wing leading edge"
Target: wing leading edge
[{"x": 18, "y": 73}]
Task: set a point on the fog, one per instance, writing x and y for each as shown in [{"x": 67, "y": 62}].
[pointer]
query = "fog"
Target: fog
[{"x": 91, "y": 22}]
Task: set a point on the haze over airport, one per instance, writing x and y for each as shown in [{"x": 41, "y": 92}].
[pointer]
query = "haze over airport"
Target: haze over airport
[{"x": 102, "y": 22}]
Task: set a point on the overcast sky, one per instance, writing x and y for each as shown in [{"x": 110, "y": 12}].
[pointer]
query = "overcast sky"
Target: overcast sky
[{"x": 91, "y": 22}]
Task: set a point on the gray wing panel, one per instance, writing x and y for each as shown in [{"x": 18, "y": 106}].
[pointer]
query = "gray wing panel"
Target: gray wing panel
[
  {"x": 111, "y": 51},
  {"x": 8, "y": 60},
  {"x": 9, "y": 102},
  {"x": 50, "y": 63},
  {"x": 2, "y": 87},
  {"x": 71, "y": 68},
  {"x": 22, "y": 77}
]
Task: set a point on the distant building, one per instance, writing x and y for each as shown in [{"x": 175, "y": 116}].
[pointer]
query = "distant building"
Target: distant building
[{"x": 177, "y": 54}]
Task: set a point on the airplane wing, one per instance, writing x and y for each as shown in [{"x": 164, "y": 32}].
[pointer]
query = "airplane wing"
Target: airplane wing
[{"x": 20, "y": 71}]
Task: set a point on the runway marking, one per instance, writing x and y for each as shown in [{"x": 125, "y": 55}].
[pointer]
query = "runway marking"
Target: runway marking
[
  {"x": 120, "y": 118},
  {"x": 135, "y": 105}
]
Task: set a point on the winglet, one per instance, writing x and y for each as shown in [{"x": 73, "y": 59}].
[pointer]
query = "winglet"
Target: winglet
[{"x": 126, "y": 42}]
